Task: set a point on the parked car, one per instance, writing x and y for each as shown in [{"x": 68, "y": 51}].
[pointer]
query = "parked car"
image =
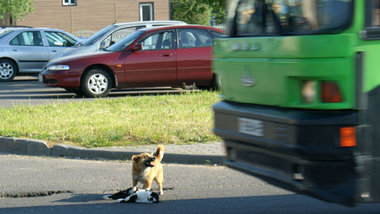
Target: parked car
[
  {"x": 27, "y": 50},
  {"x": 111, "y": 34},
  {"x": 4, "y": 29},
  {"x": 163, "y": 56}
]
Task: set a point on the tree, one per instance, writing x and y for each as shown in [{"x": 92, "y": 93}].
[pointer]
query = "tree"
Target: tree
[
  {"x": 198, "y": 11},
  {"x": 16, "y": 9},
  {"x": 190, "y": 11},
  {"x": 218, "y": 10}
]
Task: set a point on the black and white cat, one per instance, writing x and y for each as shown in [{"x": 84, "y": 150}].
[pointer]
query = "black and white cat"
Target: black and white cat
[{"x": 138, "y": 196}]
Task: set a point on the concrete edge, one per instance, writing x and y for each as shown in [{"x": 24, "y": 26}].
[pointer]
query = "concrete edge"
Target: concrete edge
[{"x": 21, "y": 146}]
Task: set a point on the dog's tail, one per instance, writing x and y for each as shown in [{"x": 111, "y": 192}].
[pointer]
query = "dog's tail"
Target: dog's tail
[{"x": 160, "y": 152}]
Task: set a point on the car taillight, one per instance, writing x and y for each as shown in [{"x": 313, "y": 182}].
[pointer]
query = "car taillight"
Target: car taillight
[{"x": 330, "y": 92}]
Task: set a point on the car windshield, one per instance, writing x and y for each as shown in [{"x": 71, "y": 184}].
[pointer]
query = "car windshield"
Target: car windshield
[
  {"x": 96, "y": 36},
  {"x": 122, "y": 44},
  {"x": 288, "y": 17}
]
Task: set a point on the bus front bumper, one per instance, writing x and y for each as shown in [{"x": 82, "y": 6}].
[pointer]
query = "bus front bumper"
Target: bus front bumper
[{"x": 298, "y": 150}]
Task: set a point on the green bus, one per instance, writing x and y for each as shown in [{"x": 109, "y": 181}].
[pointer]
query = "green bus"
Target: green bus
[{"x": 300, "y": 88}]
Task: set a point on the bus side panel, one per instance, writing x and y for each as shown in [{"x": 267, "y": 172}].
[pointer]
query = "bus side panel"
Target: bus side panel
[
  {"x": 368, "y": 102},
  {"x": 369, "y": 143}
]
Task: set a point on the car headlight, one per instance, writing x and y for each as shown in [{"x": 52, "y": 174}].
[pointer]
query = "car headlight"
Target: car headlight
[{"x": 58, "y": 68}]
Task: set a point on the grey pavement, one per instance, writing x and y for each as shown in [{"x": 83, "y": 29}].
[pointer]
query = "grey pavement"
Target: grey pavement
[{"x": 198, "y": 153}]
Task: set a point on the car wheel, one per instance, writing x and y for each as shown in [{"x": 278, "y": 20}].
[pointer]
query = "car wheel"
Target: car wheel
[
  {"x": 215, "y": 82},
  {"x": 213, "y": 86},
  {"x": 8, "y": 70},
  {"x": 96, "y": 83}
]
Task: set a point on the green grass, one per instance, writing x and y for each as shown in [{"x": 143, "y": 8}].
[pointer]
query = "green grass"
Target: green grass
[{"x": 168, "y": 119}]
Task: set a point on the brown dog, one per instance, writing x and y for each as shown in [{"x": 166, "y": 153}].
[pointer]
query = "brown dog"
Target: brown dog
[{"x": 147, "y": 167}]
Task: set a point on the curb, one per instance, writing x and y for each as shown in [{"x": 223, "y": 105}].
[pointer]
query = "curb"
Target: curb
[{"x": 21, "y": 146}]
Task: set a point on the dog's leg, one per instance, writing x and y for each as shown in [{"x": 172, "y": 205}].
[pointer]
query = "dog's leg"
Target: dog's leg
[
  {"x": 159, "y": 180},
  {"x": 135, "y": 181},
  {"x": 148, "y": 185}
]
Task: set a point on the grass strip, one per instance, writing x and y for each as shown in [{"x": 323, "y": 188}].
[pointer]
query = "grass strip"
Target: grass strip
[{"x": 132, "y": 120}]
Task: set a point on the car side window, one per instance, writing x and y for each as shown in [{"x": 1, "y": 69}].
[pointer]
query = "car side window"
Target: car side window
[
  {"x": 167, "y": 40},
  {"x": 158, "y": 41},
  {"x": 59, "y": 39},
  {"x": 27, "y": 38},
  {"x": 191, "y": 38}
]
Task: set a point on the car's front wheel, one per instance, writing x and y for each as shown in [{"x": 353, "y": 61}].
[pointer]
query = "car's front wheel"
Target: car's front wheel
[
  {"x": 215, "y": 83},
  {"x": 213, "y": 86},
  {"x": 96, "y": 83},
  {"x": 8, "y": 70}
]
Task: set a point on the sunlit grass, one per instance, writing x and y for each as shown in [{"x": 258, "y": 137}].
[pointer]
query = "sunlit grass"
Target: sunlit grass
[{"x": 169, "y": 119}]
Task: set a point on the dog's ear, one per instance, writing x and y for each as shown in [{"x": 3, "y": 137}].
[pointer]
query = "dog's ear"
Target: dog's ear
[{"x": 135, "y": 158}]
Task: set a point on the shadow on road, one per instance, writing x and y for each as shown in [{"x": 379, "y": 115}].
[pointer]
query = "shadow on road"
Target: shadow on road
[{"x": 277, "y": 204}]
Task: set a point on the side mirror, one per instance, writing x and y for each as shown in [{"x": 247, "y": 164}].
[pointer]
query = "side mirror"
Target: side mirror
[{"x": 137, "y": 47}]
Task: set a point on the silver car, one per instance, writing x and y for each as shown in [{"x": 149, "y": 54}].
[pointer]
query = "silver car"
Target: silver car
[
  {"x": 4, "y": 29},
  {"x": 27, "y": 50},
  {"x": 111, "y": 34}
]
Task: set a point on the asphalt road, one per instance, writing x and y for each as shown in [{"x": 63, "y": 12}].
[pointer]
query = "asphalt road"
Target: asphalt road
[
  {"x": 26, "y": 90},
  {"x": 56, "y": 185}
]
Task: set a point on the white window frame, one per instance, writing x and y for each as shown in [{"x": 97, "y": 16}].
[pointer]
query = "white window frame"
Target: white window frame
[
  {"x": 69, "y": 2},
  {"x": 151, "y": 11}
]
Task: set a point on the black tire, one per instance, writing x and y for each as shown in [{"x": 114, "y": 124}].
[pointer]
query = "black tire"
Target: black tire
[
  {"x": 214, "y": 83},
  {"x": 213, "y": 86},
  {"x": 96, "y": 83},
  {"x": 8, "y": 70}
]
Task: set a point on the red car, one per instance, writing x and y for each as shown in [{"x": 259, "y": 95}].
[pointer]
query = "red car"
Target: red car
[{"x": 164, "y": 56}]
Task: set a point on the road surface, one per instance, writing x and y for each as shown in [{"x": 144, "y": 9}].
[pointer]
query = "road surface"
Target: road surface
[{"x": 57, "y": 185}]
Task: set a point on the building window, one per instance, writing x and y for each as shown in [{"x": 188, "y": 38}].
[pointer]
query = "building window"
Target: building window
[
  {"x": 69, "y": 2},
  {"x": 146, "y": 12}
]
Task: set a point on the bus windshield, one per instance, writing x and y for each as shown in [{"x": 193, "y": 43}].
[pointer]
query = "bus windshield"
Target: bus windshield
[{"x": 287, "y": 17}]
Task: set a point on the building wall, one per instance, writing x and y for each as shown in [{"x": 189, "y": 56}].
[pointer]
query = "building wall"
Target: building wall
[{"x": 90, "y": 15}]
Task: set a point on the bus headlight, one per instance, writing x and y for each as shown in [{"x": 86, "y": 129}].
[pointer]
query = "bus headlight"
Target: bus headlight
[{"x": 309, "y": 91}]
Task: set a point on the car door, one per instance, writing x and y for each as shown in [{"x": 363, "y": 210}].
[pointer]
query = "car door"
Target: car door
[
  {"x": 28, "y": 49},
  {"x": 57, "y": 41},
  {"x": 155, "y": 63},
  {"x": 194, "y": 55}
]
